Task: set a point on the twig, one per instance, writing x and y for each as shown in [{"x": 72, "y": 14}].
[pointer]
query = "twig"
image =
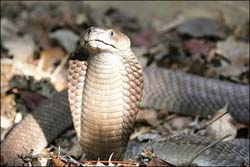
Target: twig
[
  {"x": 40, "y": 64},
  {"x": 110, "y": 162},
  {"x": 60, "y": 66},
  {"x": 59, "y": 150},
  {"x": 221, "y": 114},
  {"x": 176, "y": 22},
  {"x": 217, "y": 117},
  {"x": 29, "y": 156},
  {"x": 206, "y": 148}
]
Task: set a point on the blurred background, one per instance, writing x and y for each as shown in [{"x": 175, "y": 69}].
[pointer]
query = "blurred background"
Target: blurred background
[{"x": 234, "y": 12}]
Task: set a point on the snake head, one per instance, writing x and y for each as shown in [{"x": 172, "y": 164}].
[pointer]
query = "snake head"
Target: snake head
[{"x": 98, "y": 40}]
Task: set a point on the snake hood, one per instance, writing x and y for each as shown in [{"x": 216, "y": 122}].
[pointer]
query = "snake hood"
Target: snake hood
[
  {"x": 104, "y": 93},
  {"x": 96, "y": 40}
]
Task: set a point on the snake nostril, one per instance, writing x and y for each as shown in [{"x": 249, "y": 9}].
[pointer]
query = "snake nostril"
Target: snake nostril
[{"x": 89, "y": 31}]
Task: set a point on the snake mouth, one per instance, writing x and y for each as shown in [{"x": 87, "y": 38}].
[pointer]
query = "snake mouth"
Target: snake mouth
[{"x": 97, "y": 40}]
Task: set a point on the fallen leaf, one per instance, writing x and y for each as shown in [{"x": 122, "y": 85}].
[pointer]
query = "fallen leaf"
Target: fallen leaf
[
  {"x": 51, "y": 57},
  {"x": 116, "y": 17},
  {"x": 148, "y": 116},
  {"x": 40, "y": 161},
  {"x": 180, "y": 122},
  {"x": 6, "y": 73},
  {"x": 242, "y": 32},
  {"x": 144, "y": 38},
  {"x": 164, "y": 24},
  {"x": 58, "y": 162},
  {"x": 237, "y": 53},
  {"x": 222, "y": 127},
  {"x": 8, "y": 112},
  {"x": 158, "y": 162},
  {"x": 8, "y": 29},
  {"x": 203, "y": 27},
  {"x": 233, "y": 50},
  {"x": 153, "y": 159},
  {"x": 198, "y": 66},
  {"x": 196, "y": 47},
  {"x": 66, "y": 38},
  {"x": 139, "y": 131},
  {"x": 22, "y": 48}
]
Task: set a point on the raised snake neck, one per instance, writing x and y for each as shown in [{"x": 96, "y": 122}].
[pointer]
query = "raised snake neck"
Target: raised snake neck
[
  {"x": 182, "y": 93},
  {"x": 104, "y": 93}
]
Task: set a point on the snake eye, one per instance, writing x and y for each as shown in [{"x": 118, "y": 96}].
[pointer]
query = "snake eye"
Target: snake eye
[{"x": 112, "y": 33}]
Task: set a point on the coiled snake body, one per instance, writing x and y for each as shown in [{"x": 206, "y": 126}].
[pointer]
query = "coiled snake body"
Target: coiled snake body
[{"x": 104, "y": 97}]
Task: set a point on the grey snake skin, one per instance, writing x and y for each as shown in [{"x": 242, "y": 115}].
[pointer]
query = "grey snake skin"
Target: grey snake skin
[
  {"x": 194, "y": 95},
  {"x": 176, "y": 91}
]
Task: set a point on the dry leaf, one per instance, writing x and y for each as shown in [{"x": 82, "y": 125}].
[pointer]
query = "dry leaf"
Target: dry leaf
[
  {"x": 51, "y": 56},
  {"x": 158, "y": 162},
  {"x": 180, "y": 122},
  {"x": 6, "y": 73},
  {"x": 67, "y": 39},
  {"x": 222, "y": 126},
  {"x": 237, "y": 53},
  {"x": 115, "y": 17},
  {"x": 8, "y": 110},
  {"x": 22, "y": 48},
  {"x": 139, "y": 132},
  {"x": 58, "y": 162},
  {"x": 148, "y": 116},
  {"x": 196, "y": 47},
  {"x": 203, "y": 27},
  {"x": 145, "y": 38},
  {"x": 8, "y": 29}
]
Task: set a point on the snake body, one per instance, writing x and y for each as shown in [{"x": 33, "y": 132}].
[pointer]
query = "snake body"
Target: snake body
[
  {"x": 179, "y": 150},
  {"x": 193, "y": 95},
  {"x": 104, "y": 125},
  {"x": 104, "y": 94},
  {"x": 37, "y": 129}
]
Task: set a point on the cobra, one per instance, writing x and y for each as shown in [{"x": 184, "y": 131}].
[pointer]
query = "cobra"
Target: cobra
[{"x": 105, "y": 93}]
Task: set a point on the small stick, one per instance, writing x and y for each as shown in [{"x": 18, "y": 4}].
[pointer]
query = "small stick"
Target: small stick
[
  {"x": 176, "y": 22},
  {"x": 217, "y": 117},
  {"x": 59, "y": 150},
  {"x": 40, "y": 64},
  {"x": 60, "y": 66},
  {"x": 206, "y": 148},
  {"x": 110, "y": 162}
]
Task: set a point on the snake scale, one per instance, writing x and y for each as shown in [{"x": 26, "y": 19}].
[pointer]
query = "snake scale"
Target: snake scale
[{"x": 104, "y": 96}]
